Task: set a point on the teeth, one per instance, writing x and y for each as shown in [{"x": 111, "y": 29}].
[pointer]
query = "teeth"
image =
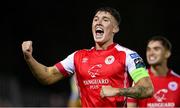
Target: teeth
[
  {"x": 99, "y": 32},
  {"x": 98, "y": 28},
  {"x": 152, "y": 58}
]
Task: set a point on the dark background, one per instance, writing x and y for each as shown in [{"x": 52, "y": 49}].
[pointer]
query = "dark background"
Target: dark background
[{"x": 59, "y": 27}]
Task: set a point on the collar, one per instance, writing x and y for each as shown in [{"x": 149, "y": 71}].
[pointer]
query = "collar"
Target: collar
[
  {"x": 111, "y": 46},
  {"x": 151, "y": 73}
]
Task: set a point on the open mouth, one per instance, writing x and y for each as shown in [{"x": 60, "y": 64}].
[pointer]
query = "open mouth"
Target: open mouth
[
  {"x": 152, "y": 58},
  {"x": 99, "y": 32}
]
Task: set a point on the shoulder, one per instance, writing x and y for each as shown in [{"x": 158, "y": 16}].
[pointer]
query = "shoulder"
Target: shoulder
[
  {"x": 175, "y": 79},
  {"x": 82, "y": 52},
  {"x": 174, "y": 74},
  {"x": 129, "y": 52},
  {"x": 124, "y": 49}
]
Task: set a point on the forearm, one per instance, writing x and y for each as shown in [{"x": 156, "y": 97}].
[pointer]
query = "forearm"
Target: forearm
[
  {"x": 135, "y": 92},
  {"x": 142, "y": 89},
  {"x": 46, "y": 75},
  {"x": 39, "y": 71}
]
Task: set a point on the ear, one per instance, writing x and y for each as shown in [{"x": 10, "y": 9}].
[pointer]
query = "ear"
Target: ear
[
  {"x": 168, "y": 54},
  {"x": 116, "y": 29}
]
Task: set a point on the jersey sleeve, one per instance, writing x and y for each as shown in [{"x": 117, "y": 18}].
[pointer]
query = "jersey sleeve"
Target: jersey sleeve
[
  {"x": 135, "y": 66},
  {"x": 66, "y": 66}
]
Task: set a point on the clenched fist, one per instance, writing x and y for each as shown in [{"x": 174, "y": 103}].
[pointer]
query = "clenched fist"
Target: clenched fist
[
  {"x": 108, "y": 91},
  {"x": 27, "y": 49}
]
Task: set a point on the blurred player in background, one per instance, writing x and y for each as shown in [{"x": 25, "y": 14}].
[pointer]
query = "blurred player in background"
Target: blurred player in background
[
  {"x": 74, "y": 100},
  {"x": 166, "y": 82}
]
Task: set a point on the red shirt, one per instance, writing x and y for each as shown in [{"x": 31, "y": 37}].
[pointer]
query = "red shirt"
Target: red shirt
[
  {"x": 95, "y": 68},
  {"x": 166, "y": 92}
]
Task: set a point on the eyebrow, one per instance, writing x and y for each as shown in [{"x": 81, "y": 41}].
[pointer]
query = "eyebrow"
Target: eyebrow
[
  {"x": 153, "y": 47},
  {"x": 103, "y": 17}
]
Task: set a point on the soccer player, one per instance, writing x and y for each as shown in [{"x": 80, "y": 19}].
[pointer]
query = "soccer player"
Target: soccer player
[
  {"x": 74, "y": 100},
  {"x": 103, "y": 72},
  {"x": 166, "y": 82}
]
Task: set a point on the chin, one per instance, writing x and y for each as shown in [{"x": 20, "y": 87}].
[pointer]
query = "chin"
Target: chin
[
  {"x": 153, "y": 63},
  {"x": 99, "y": 40}
]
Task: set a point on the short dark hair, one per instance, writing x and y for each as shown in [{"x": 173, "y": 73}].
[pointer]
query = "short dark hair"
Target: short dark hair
[
  {"x": 112, "y": 11},
  {"x": 164, "y": 41}
]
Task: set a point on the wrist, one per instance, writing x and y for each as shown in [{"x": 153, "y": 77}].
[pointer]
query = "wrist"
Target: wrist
[
  {"x": 28, "y": 58},
  {"x": 118, "y": 91}
]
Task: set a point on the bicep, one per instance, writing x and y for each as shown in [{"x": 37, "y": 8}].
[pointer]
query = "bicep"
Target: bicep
[
  {"x": 146, "y": 86},
  {"x": 55, "y": 75},
  {"x": 145, "y": 81}
]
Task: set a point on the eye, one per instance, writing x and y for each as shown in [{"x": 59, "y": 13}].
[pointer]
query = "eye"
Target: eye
[
  {"x": 106, "y": 20},
  {"x": 95, "y": 19},
  {"x": 157, "y": 48}
]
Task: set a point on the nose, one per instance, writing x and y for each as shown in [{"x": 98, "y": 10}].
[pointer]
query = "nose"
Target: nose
[
  {"x": 99, "y": 22},
  {"x": 150, "y": 52}
]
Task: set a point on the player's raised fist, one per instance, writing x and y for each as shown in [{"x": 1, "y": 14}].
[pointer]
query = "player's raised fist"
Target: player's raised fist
[{"x": 27, "y": 49}]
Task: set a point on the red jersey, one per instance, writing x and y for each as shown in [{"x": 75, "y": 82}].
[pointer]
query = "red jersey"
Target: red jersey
[
  {"x": 95, "y": 68},
  {"x": 166, "y": 92}
]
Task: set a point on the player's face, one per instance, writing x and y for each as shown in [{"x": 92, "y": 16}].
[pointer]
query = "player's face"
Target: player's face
[
  {"x": 156, "y": 53},
  {"x": 104, "y": 26}
]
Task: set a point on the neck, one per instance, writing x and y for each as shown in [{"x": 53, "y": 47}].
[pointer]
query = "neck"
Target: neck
[
  {"x": 103, "y": 46},
  {"x": 160, "y": 70}
]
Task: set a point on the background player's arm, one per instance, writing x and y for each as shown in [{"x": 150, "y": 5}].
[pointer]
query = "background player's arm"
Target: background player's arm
[
  {"x": 46, "y": 75},
  {"x": 74, "y": 99}
]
